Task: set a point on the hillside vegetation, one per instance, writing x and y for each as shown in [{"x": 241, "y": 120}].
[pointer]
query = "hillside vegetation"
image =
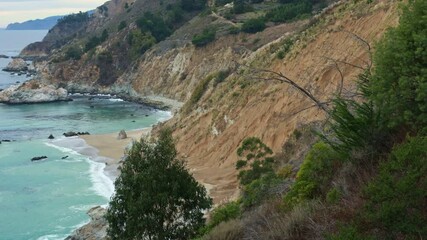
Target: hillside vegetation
[{"x": 303, "y": 119}]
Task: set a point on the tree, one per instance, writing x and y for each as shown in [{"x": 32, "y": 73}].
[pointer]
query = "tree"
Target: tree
[
  {"x": 253, "y": 25},
  {"x": 156, "y": 198},
  {"x": 257, "y": 160},
  {"x": 399, "y": 82}
]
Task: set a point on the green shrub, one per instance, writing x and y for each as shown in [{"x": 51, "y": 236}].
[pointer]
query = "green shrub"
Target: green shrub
[
  {"x": 139, "y": 43},
  {"x": 253, "y": 25},
  {"x": 207, "y": 36},
  {"x": 122, "y": 25},
  {"x": 155, "y": 25},
  {"x": 287, "y": 45},
  {"x": 74, "y": 53},
  {"x": 224, "y": 213},
  {"x": 396, "y": 198},
  {"x": 289, "y": 11},
  {"x": 333, "y": 196},
  {"x": 74, "y": 18},
  {"x": 315, "y": 174},
  {"x": 258, "y": 190},
  {"x": 357, "y": 131},
  {"x": 348, "y": 233},
  {"x": 220, "y": 76},
  {"x": 399, "y": 82},
  {"x": 285, "y": 172},
  {"x": 258, "y": 160},
  {"x": 192, "y": 5},
  {"x": 240, "y": 6},
  {"x": 233, "y": 30},
  {"x": 95, "y": 41}
]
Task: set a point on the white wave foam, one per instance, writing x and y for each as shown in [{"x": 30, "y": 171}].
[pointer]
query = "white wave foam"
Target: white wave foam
[
  {"x": 53, "y": 237},
  {"x": 116, "y": 100},
  {"x": 165, "y": 115},
  {"x": 102, "y": 184},
  {"x": 62, "y": 149}
]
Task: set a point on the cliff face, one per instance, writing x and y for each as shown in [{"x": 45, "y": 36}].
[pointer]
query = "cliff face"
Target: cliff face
[{"x": 326, "y": 51}]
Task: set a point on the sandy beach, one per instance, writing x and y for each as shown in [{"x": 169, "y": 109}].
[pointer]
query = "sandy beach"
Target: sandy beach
[
  {"x": 109, "y": 146},
  {"x": 112, "y": 149}
]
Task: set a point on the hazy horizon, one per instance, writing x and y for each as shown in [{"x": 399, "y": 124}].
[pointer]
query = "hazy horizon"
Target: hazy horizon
[{"x": 12, "y": 11}]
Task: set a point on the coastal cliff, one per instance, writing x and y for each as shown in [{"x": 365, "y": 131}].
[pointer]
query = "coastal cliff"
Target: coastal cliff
[
  {"x": 224, "y": 84},
  {"x": 238, "y": 105}
]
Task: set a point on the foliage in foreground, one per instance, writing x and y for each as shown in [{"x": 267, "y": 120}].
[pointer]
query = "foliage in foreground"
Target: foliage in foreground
[
  {"x": 399, "y": 83},
  {"x": 156, "y": 197},
  {"x": 397, "y": 196}
]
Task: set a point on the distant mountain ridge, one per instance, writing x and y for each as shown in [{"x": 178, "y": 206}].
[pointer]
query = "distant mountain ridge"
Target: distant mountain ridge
[{"x": 38, "y": 24}]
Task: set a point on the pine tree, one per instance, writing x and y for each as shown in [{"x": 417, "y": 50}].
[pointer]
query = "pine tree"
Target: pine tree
[{"x": 156, "y": 197}]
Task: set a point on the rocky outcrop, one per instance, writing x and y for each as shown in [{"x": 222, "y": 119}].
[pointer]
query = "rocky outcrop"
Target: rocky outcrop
[
  {"x": 96, "y": 229},
  {"x": 16, "y": 65},
  {"x": 32, "y": 92},
  {"x": 122, "y": 135},
  {"x": 3, "y": 56}
]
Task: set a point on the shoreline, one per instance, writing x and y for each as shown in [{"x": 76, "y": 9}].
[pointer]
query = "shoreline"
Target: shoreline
[{"x": 111, "y": 149}]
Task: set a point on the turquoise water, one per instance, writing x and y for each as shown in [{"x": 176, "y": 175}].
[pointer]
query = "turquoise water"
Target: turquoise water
[{"x": 48, "y": 199}]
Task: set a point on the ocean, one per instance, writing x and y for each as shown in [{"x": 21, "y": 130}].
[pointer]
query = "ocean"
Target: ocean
[{"x": 49, "y": 199}]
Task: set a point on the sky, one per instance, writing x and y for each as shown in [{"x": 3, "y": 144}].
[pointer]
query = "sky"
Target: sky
[{"x": 22, "y": 10}]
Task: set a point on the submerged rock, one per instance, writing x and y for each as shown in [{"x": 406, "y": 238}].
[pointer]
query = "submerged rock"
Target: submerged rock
[
  {"x": 51, "y": 137},
  {"x": 33, "y": 92}
]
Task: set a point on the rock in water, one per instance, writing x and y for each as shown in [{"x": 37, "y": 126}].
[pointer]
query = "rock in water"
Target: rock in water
[
  {"x": 32, "y": 92},
  {"x": 51, "y": 137},
  {"x": 122, "y": 135},
  {"x": 16, "y": 65},
  {"x": 38, "y": 158}
]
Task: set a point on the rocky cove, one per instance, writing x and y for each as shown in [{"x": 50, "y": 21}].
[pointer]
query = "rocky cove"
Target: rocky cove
[{"x": 223, "y": 103}]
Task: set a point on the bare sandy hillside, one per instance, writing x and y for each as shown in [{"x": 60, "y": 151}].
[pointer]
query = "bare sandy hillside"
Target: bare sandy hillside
[{"x": 244, "y": 106}]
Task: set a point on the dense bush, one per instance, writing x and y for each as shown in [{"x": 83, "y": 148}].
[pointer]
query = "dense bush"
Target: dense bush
[
  {"x": 289, "y": 11},
  {"x": 207, "y": 36},
  {"x": 357, "y": 131},
  {"x": 74, "y": 53},
  {"x": 224, "y": 213},
  {"x": 253, "y": 25},
  {"x": 139, "y": 43},
  {"x": 74, "y": 18},
  {"x": 256, "y": 161},
  {"x": 95, "y": 41},
  {"x": 316, "y": 172},
  {"x": 150, "y": 23},
  {"x": 122, "y": 25},
  {"x": 397, "y": 197},
  {"x": 399, "y": 82},
  {"x": 240, "y": 6},
  {"x": 258, "y": 190},
  {"x": 192, "y": 5}
]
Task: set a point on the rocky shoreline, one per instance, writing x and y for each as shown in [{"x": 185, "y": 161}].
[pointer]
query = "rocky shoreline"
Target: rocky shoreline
[{"x": 33, "y": 92}]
